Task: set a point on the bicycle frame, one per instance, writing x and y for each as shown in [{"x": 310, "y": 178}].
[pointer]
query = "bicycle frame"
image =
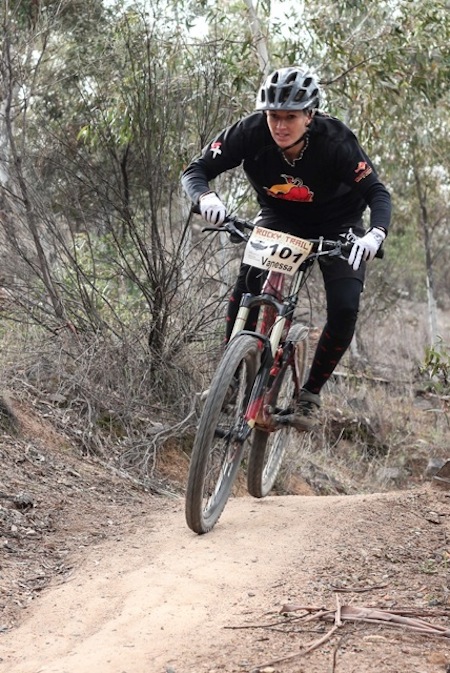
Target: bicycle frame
[
  {"x": 277, "y": 314},
  {"x": 275, "y": 323}
]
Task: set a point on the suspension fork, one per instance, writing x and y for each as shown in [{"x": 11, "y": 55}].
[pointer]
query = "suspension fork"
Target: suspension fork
[
  {"x": 276, "y": 317},
  {"x": 273, "y": 286},
  {"x": 255, "y": 406},
  {"x": 269, "y": 346},
  {"x": 277, "y": 321},
  {"x": 271, "y": 300}
]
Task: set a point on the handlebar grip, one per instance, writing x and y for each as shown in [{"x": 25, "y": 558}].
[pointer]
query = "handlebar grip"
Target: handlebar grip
[{"x": 347, "y": 247}]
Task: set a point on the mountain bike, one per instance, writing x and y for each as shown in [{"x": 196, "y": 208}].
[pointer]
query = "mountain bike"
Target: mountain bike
[{"x": 259, "y": 376}]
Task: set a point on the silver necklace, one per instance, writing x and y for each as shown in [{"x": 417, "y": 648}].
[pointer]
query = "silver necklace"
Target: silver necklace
[{"x": 300, "y": 156}]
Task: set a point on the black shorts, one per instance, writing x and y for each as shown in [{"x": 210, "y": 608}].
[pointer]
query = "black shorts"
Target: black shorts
[{"x": 332, "y": 268}]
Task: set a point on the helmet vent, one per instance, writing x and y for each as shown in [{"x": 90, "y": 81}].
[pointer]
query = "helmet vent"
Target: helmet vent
[
  {"x": 299, "y": 96},
  {"x": 292, "y": 88}
]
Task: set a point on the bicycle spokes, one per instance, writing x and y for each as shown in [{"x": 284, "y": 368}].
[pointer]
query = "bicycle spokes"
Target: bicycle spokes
[{"x": 220, "y": 439}]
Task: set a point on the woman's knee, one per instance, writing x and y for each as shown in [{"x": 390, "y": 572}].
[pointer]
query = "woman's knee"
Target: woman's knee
[
  {"x": 342, "y": 322},
  {"x": 343, "y": 306}
]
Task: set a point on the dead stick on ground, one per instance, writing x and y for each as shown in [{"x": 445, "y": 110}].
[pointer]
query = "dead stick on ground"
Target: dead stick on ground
[
  {"x": 417, "y": 629},
  {"x": 297, "y": 608},
  {"x": 314, "y": 645},
  {"x": 337, "y": 618},
  {"x": 334, "y": 659},
  {"x": 357, "y": 590},
  {"x": 308, "y": 617},
  {"x": 357, "y": 614}
]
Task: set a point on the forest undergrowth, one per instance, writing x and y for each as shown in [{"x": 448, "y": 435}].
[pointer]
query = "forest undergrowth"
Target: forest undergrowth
[{"x": 383, "y": 424}]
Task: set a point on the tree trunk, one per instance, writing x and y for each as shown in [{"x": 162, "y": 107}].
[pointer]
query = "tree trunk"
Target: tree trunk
[
  {"x": 259, "y": 39},
  {"x": 426, "y": 232}
]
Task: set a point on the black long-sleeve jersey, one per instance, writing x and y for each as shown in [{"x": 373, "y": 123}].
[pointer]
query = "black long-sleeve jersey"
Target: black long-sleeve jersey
[{"x": 329, "y": 187}]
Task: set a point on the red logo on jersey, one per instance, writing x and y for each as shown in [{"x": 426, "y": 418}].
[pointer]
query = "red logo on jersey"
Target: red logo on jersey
[
  {"x": 215, "y": 149},
  {"x": 362, "y": 170},
  {"x": 292, "y": 190}
]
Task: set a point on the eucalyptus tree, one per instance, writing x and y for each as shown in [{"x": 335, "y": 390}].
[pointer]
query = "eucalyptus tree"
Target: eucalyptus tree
[
  {"x": 386, "y": 70},
  {"x": 104, "y": 108},
  {"x": 99, "y": 113},
  {"x": 103, "y": 104},
  {"x": 30, "y": 32}
]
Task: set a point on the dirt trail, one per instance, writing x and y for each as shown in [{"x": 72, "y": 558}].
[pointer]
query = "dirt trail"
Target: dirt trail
[{"x": 158, "y": 599}]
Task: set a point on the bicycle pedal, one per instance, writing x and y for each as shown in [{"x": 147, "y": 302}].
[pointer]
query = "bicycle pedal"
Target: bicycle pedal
[
  {"x": 296, "y": 421},
  {"x": 280, "y": 419}
]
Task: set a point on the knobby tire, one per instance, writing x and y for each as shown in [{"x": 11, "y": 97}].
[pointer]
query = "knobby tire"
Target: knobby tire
[{"x": 218, "y": 450}]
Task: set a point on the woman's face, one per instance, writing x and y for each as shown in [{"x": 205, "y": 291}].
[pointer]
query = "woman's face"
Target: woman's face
[{"x": 287, "y": 126}]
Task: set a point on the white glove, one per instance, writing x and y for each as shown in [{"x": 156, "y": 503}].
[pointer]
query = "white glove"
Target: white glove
[
  {"x": 366, "y": 247},
  {"x": 212, "y": 209}
]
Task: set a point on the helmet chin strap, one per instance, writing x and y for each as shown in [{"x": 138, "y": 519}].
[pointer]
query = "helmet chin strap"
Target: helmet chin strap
[{"x": 297, "y": 142}]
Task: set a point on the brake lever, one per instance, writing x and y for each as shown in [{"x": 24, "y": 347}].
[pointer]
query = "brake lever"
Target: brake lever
[
  {"x": 348, "y": 247},
  {"x": 235, "y": 234}
]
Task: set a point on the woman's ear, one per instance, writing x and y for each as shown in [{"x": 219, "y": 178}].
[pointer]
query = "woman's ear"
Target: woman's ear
[{"x": 310, "y": 115}]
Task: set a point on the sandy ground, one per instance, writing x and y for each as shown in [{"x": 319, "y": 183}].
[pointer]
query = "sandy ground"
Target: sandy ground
[{"x": 156, "y": 598}]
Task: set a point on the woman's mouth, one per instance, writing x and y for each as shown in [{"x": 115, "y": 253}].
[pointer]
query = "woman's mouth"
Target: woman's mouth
[{"x": 282, "y": 138}]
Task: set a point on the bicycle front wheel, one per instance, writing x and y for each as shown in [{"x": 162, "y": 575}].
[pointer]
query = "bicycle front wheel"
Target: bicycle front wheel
[
  {"x": 220, "y": 440},
  {"x": 268, "y": 448}
]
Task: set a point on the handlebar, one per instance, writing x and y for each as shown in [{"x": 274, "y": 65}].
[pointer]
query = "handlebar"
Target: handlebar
[{"x": 236, "y": 226}]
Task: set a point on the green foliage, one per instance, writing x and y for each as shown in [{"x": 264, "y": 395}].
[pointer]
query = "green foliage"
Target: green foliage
[
  {"x": 111, "y": 101},
  {"x": 436, "y": 368},
  {"x": 109, "y": 296},
  {"x": 405, "y": 272},
  {"x": 108, "y": 101}
]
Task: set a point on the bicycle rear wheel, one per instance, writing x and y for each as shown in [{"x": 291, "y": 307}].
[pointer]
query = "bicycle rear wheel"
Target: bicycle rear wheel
[
  {"x": 268, "y": 448},
  {"x": 220, "y": 440}
]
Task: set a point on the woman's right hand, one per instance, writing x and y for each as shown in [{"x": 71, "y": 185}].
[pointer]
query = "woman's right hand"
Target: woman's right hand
[{"x": 212, "y": 209}]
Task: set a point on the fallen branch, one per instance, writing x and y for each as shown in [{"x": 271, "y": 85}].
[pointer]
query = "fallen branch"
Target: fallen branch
[
  {"x": 335, "y": 650},
  {"x": 391, "y": 618},
  {"x": 313, "y": 646},
  {"x": 357, "y": 590},
  {"x": 338, "y": 614},
  {"x": 401, "y": 618}
]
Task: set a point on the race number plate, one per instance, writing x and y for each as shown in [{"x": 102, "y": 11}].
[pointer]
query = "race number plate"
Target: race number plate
[{"x": 274, "y": 250}]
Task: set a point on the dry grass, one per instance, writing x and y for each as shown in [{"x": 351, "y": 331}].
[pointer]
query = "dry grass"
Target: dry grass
[
  {"x": 378, "y": 428},
  {"x": 369, "y": 438}
]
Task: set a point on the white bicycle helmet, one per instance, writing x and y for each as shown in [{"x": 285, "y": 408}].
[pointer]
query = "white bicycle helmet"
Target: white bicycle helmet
[{"x": 290, "y": 88}]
